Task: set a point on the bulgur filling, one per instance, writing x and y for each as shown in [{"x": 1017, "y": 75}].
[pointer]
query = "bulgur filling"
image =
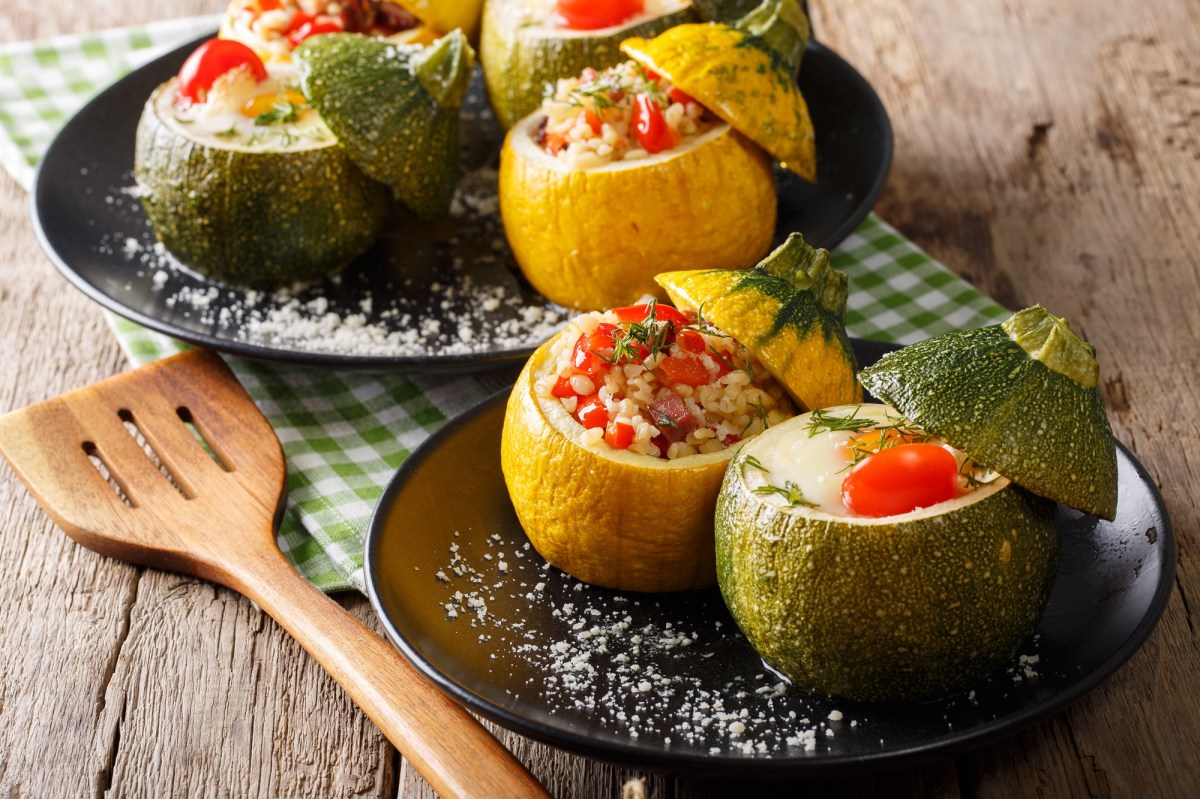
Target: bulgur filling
[
  {"x": 275, "y": 27},
  {"x": 659, "y": 382},
  {"x": 624, "y": 113}
]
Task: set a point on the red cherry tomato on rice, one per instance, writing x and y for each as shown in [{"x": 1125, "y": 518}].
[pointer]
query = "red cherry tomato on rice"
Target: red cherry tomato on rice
[
  {"x": 213, "y": 59},
  {"x": 663, "y": 313},
  {"x": 618, "y": 435},
  {"x": 315, "y": 27},
  {"x": 591, "y": 412},
  {"x": 686, "y": 370},
  {"x": 587, "y": 15},
  {"x": 900, "y": 479}
]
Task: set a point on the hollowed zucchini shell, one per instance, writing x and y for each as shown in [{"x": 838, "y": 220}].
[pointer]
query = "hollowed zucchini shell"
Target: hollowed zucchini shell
[{"x": 256, "y": 218}]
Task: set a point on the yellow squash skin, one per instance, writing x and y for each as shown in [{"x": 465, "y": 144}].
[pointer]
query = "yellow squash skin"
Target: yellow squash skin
[
  {"x": 446, "y": 15},
  {"x": 595, "y": 239},
  {"x": 739, "y": 82},
  {"x": 797, "y": 333},
  {"x": 609, "y": 517}
]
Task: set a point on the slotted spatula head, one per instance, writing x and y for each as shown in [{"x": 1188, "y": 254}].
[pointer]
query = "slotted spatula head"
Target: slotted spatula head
[{"x": 170, "y": 465}]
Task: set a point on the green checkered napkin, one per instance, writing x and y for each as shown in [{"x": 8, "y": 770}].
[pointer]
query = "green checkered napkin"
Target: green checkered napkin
[{"x": 345, "y": 432}]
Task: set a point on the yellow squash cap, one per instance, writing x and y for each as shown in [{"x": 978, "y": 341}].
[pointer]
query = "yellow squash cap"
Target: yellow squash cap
[
  {"x": 789, "y": 311},
  {"x": 745, "y": 74}
]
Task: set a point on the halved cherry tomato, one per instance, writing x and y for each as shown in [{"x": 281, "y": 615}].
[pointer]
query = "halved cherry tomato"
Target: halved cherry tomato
[
  {"x": 591, "y": 412},
  {"x": 587, "y": 15},
  {"x": 618, "y": 435},
  {"x": 663, "y": 313},
  {"x": 213, "y": 59},
  {"x": 900, "y": 479},
  {"x": 653, "y": 132},
  {"x": 686, "y": 370},
  {"x": 691, "y": 341},
  {"x": 268, "y": 5},
  {"x": 319, "y": 24},
  {"x": 678, "y": 95}
]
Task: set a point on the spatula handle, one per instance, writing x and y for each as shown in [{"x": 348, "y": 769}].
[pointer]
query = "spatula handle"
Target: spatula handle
[{"x": 449, "y": 747}]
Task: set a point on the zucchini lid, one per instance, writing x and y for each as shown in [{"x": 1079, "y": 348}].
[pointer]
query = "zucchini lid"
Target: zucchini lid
[
  {"x": 745, "y": 73},
  {"x": 395, "y": 108},
  {"x": 1020, "y": 397},
  {"x": 789, "y": 310}
]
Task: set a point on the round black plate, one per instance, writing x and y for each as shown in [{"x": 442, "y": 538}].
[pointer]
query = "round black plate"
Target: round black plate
[
  {"x": 465, "y": 598},
  {"x": 421, "y": 283}
]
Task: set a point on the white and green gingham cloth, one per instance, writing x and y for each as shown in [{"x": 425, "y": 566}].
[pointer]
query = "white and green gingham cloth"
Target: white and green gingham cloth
[{"x": 345, "y": 432}]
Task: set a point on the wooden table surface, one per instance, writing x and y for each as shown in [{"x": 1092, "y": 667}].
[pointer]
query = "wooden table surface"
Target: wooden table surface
[{"x": 1047, "y": 150}]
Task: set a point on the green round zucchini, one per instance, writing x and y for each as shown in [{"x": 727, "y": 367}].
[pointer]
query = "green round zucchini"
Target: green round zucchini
[
  {"x": 521, "y": 52},
  {"x": 907, "y": 607},
  {"x": 255, "y": 217}
]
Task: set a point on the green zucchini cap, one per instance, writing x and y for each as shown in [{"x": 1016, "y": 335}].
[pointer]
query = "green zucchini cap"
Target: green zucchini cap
[{"x": 1020, "y": 397}]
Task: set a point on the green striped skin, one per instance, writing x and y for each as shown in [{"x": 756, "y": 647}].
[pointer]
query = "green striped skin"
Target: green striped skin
[
  {"x": 259, "y": 219},
  {"x": 980, "y": 391},
  {"x": 395, "y": 108},
  {"x": 518, "y": 65},
  {"x": 871, "y": 611}
]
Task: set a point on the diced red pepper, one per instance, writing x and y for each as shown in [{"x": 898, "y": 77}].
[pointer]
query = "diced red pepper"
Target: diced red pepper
[
  {"x": 618, "y": 435},
  {"x": 562, "y": 386},
  {"x": 686, "y": 370},
  {"x": 663, "y": 313},
  {"x": 691, "y": 341},
  {"x": 591, "y": 412},
  {"x": 314, "y": 27},
  {"x": 678, "y": 95},
  {"x": 653, "y": 132},
  {"x": 592, "y": 120},
  {"x": 590, "y": 350}
]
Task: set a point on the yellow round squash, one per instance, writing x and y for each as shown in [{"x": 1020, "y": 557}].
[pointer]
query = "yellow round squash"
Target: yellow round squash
[
  {"x": 609, "y": 517},
  {"x": 595, "y": 238}
]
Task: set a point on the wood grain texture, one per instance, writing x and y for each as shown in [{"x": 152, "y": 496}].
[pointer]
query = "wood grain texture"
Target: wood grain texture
[{"x": 1048, "y": 150}]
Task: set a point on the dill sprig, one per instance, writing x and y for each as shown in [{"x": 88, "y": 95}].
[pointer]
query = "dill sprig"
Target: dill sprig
[
  {"x": 753, "y": 463},
  {"x": 282, "y": 112},
  {"x": 822, "y": 421},
  {"x": 759, "y": 413},
  {"x": 790, "y": 493}
]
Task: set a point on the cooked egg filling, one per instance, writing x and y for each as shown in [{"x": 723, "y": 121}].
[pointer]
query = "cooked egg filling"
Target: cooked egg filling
[
  {"x": 807, "y": 465},
  {"x": 241, "y": 113}
]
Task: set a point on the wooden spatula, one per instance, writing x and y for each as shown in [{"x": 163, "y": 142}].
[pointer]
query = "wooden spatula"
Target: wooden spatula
[{"x": 172, "y": 466}]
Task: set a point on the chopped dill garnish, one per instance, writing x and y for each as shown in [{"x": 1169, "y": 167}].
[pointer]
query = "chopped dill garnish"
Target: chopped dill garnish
[
  {"x": 753, "y": 463},
  {"x": 790, "y": 493},
  {"x": 227, "y": 134},
  {"x": 822, "y": 421},
  {"x": 759, "y": 413},
  {"x": 282, "y": 113}
]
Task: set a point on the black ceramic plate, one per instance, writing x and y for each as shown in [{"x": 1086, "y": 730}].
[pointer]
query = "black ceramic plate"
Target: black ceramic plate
[
  {"x": 404, "y": 303},
  {"x": 466, "y": 599}
]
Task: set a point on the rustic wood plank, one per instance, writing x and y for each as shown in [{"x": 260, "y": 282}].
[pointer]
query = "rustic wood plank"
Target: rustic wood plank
[{"x": 1048, "y": 152}]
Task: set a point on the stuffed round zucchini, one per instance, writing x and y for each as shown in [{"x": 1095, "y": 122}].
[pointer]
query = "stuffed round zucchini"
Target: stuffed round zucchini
[
  {"x": 865, "y": 559},
  {"x": 242, "y": 180},
  {"x": 526, "y": 45},
  {"x": 619, "y": 430},
  {"x": 620, "y": 176}
]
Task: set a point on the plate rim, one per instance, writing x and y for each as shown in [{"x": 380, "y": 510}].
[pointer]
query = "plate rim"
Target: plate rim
[
  {"x": 454, "y": 362},
  {"x": 666, "y": 761}
]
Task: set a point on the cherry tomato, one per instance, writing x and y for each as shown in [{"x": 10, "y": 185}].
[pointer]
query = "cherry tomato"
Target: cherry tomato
[
  {"x": 663, "y": 313},
  {"x": 618, "y": 435},
  {"x": 314, "y": 27},
  {"x": 688, "y": 371},
  {"x": 591, "y": 412},
  {"x": 900, "y": 479},
  {"x": 213, "y": 59},
  {"x": 587, "y": 15},
  {"x": 653, "y": 132},
  {"x": 691, "y": 341}
]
